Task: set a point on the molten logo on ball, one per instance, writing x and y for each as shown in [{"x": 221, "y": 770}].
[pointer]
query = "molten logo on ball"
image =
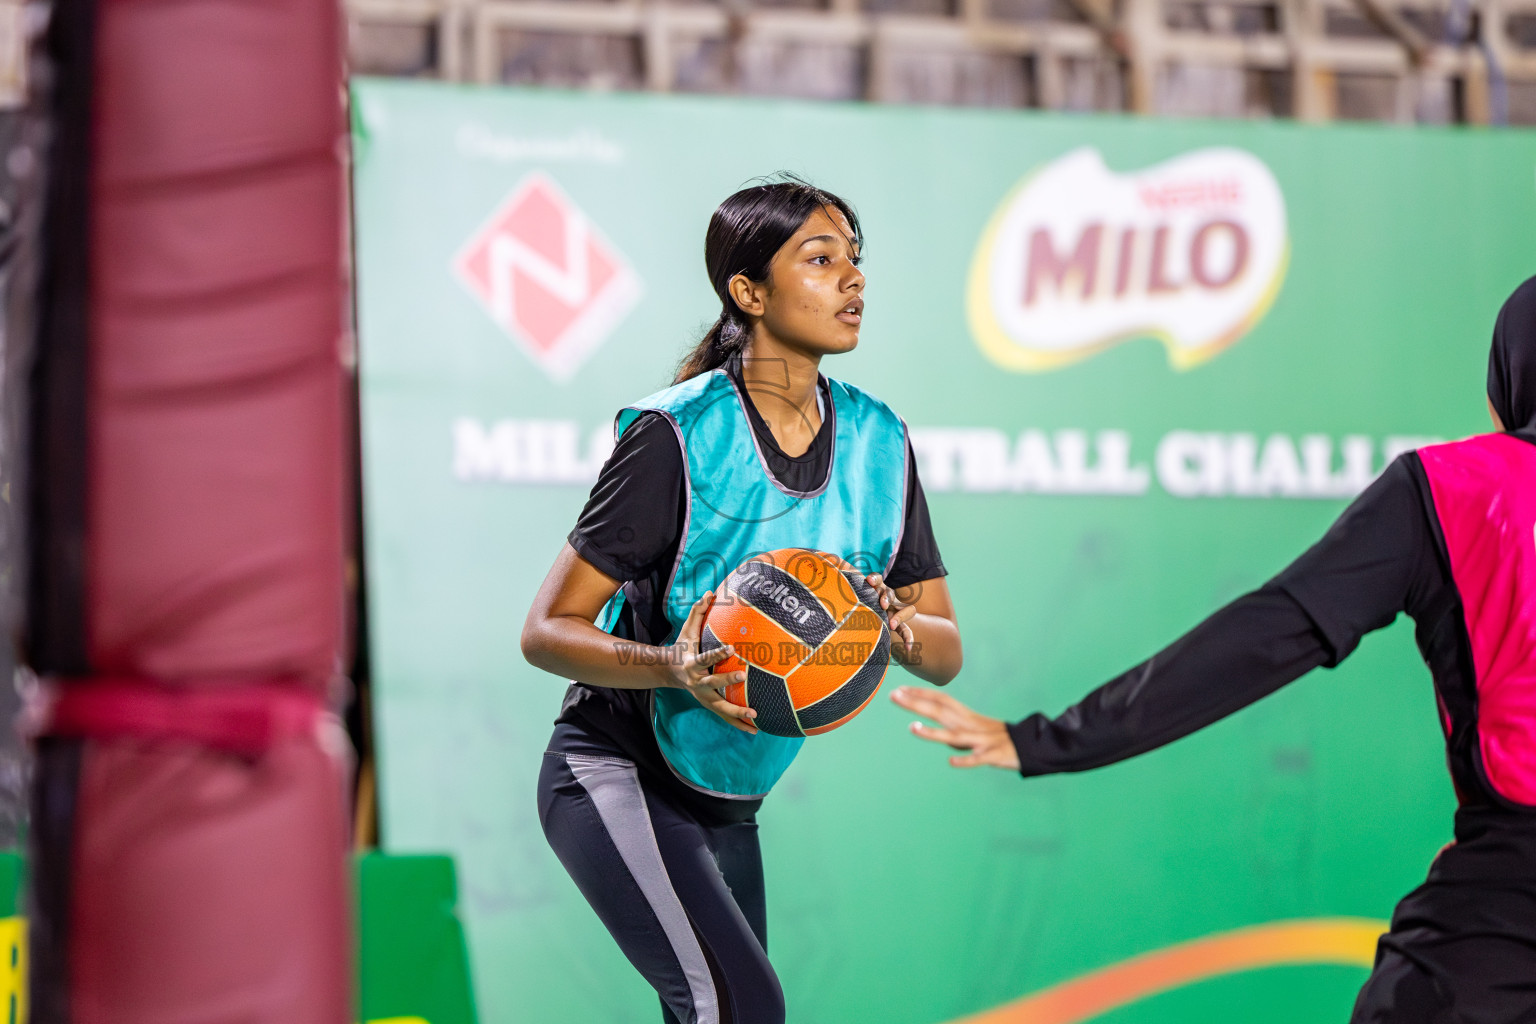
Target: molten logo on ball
[
  {"x": 547, "y": 276},
  {"x": 1079, "y": 258},
  {"x": 761, "y": 587}
]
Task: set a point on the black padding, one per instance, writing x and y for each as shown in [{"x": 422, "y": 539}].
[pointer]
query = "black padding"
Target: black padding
[
  {"x": 783, "y": 599},
  {"x": 55, "y": 803},
  {"x": 60, "y": 378},
  {"x": 769, "y": 697},
  {"x": 855, "y": 691}
]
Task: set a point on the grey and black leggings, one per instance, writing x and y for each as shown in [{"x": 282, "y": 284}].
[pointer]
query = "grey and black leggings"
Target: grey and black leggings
[{"x": 683, "y": 899}]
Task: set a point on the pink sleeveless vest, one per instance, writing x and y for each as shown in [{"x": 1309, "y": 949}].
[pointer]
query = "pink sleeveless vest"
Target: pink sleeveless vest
[{"x": 1484, "y": 491}]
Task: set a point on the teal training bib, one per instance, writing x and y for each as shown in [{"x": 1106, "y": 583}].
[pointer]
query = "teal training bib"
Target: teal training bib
[{"x": 736, "y": 509}]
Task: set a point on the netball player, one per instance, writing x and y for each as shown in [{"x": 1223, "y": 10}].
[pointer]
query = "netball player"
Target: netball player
[
  {"x": 652, "y": 780},
  {"x": 1448, "y": 535}
]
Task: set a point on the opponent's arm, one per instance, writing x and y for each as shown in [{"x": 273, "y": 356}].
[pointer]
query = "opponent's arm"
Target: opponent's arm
[
  {"x": 1245, "y": 651},
  {"x": 1376, "y": 560},
  {"x": 560, "y": 636}
]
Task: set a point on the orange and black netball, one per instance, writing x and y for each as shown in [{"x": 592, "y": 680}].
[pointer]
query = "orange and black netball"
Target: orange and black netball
[{"x": 809, "y": 632}]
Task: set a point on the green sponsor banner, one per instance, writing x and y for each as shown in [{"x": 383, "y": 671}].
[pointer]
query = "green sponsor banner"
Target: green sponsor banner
[{"x": 1144, "y": 364}]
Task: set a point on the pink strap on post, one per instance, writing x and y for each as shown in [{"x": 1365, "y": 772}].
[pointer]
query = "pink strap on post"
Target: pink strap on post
[{"x": 244, "y": 718}]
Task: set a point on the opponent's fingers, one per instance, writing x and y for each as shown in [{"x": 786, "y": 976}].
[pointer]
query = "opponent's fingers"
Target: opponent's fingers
[
  {"x": 972, "y": 760},
  {"x": 998, "y": 753},
  {"x": 940, "y": 707},
  {"x": 913, "y": 699},
  {"x": 948, "y": 737}
]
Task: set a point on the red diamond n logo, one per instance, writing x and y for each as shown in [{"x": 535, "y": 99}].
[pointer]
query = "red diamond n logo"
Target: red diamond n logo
[{"x": 547, "y": 276}]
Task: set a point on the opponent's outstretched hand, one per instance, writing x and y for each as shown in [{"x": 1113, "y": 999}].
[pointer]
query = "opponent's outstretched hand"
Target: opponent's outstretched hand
[
  {"x": 694, "y": 670},
  {"x": 986, "y": 738}
]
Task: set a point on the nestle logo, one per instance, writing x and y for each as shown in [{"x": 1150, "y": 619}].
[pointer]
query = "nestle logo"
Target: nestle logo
[
  {"x": 1228, "y": 192},
  {"x": 547, "y": 276}
]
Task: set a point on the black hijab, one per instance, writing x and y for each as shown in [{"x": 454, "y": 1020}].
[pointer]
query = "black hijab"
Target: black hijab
[{"x": 1512, "y": 363}]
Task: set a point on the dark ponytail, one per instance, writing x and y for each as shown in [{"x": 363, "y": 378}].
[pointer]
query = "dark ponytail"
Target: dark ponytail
[{"x": 744, "y": 233}]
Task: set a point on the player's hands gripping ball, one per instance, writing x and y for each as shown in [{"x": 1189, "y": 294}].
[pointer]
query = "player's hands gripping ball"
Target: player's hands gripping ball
[
  {"x": 898, "y": 614},
  {"x": 694, "y": 670}
]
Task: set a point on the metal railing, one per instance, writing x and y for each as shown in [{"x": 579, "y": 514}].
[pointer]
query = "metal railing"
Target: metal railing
[{"x": 1318, "y": 57}]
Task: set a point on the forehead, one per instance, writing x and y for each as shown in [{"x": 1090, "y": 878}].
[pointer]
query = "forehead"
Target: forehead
[{"x": 828, "y": 220}]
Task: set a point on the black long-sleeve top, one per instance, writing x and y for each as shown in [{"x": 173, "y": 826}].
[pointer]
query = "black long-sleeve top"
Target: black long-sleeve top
[{"x": 1383, "y": 556}]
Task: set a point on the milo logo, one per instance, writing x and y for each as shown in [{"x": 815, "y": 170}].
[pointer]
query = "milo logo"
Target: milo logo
[{"x": 1078, "y": 258}]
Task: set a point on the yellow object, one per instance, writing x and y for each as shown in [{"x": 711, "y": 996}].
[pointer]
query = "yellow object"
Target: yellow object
[{"x": 13, "y": 970}]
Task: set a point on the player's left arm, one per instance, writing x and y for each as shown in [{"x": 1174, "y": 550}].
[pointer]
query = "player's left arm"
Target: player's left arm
[{"x": 925, "y": 637}]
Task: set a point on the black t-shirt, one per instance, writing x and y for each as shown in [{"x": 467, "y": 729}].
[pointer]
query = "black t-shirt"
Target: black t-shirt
[{"x": 630, "y": 530}]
